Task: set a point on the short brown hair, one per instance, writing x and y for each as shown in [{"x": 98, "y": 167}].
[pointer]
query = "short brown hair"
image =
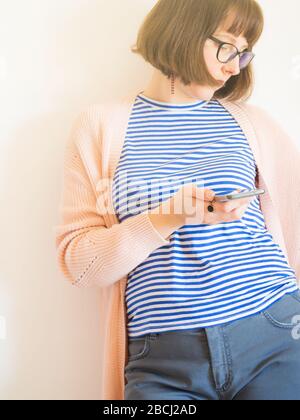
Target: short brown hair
[{"x": 173, "y": 34}]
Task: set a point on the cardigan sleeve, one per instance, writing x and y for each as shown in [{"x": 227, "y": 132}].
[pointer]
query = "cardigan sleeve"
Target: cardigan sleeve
[
  {"x": 280, "y": 152},
  {"x": 288, "y": 158},
  {"x": 89, "y": 253}
]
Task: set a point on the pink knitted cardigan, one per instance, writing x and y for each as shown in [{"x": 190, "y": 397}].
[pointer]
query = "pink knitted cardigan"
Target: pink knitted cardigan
[{"x": 95, "y": 250}]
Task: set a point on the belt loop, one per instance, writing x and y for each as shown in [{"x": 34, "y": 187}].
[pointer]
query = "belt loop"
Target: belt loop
[{"x": 153, "y": 336}]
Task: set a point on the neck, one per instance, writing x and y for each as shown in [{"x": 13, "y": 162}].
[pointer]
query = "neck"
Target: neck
[{"x": 159, "y": 89}]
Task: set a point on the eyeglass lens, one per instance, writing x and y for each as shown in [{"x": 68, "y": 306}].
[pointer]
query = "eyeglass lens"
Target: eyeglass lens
[{"x": 228, "y": 52}]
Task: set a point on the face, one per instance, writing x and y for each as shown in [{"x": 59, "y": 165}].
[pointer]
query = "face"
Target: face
[
  {"x": 219, "y": 71},
  {"x": 223, "y": 71}
]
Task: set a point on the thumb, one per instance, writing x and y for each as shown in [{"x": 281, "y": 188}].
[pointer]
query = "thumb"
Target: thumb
[{"x": 209, "y": 195}]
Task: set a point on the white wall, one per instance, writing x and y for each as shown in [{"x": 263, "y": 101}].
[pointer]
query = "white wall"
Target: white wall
[{"x": 57, "y": 57}]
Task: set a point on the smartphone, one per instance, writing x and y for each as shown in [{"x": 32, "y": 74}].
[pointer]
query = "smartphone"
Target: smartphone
[{"x": 228, "y": 197}]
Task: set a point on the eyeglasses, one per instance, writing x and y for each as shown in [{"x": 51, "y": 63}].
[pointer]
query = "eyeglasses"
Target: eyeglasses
[{"x": 227, "y": 52}]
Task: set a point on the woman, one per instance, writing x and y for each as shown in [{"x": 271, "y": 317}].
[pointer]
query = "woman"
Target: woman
[{"x": 201, "y": 305}]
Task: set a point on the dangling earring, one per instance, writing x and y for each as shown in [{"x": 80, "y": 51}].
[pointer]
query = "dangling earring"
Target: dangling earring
[{"x": 172, "y": 84}]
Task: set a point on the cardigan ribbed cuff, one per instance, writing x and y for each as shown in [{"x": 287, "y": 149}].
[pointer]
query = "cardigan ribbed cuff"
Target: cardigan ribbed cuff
[{"x": 121, "y": 248}]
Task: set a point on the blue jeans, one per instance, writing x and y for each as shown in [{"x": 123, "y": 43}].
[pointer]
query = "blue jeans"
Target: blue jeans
[{"x": 253, "y": 358}]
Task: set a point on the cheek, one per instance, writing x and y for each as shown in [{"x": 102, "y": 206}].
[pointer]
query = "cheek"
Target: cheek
[{"x": 212, "y": 63}]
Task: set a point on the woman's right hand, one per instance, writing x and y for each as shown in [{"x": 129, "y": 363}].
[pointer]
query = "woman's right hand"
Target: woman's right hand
[{"x": 191, "y": 203}]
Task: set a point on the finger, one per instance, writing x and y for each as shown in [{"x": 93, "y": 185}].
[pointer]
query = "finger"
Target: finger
[
  {"x": 242, "y": 204},
  {"x": 209, "y": 195},
  {"x": 204, "y": 194},
  {"x": 239, "y": 212},
  {"x": 238, "y": 203}
]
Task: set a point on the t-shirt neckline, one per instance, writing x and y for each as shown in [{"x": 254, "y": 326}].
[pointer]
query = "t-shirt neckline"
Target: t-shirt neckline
[{"x": 169, "y": 106}]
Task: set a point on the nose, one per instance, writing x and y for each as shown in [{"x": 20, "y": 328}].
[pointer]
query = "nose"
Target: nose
[{"x": 233, "y": 67}]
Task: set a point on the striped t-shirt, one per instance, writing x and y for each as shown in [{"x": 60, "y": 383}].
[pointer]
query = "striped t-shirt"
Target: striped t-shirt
[{"x": 208, "y": 274}]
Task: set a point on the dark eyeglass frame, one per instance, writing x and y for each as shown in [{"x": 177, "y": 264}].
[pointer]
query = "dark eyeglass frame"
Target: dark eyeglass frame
[{"x": 221, "y": 43}]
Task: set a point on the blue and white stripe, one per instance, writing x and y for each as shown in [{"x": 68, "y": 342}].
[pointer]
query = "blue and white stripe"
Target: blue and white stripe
[{"x": 208, "y": 274}]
